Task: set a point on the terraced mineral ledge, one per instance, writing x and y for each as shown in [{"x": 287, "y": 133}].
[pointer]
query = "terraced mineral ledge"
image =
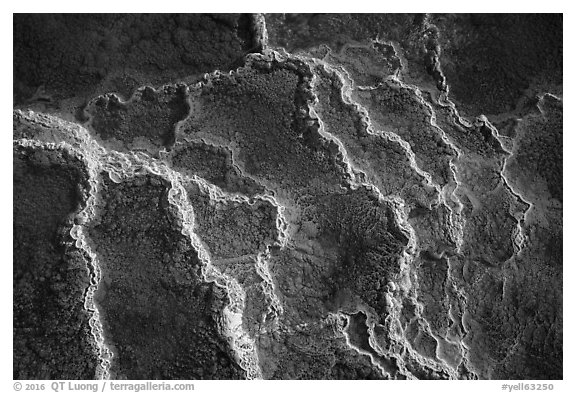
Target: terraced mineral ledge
[{"x": 338, "y": 196}]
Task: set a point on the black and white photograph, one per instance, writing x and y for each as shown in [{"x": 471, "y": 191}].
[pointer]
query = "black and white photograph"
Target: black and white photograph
[{"x": 287, "y": 196}]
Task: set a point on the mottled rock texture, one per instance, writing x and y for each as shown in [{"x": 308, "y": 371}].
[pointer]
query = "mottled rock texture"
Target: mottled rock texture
[{"x": 311, "y": 196}]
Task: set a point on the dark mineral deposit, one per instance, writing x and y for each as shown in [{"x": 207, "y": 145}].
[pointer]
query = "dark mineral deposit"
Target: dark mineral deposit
[{"x": 287, "y": 196}]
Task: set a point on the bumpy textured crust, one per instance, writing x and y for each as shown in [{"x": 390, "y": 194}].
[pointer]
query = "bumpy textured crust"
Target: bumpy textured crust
[{"x": 288, "y": 197}]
